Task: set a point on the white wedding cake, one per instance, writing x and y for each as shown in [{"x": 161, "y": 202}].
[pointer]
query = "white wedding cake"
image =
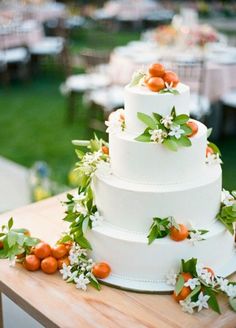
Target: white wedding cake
[{"x": 147, "y": 179}]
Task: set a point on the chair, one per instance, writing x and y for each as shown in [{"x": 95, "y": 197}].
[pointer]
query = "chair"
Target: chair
[
  {"x": 54, "y": 47},
  {"x": 191, "y": 71},
  {"x": 17, "y": 61}
]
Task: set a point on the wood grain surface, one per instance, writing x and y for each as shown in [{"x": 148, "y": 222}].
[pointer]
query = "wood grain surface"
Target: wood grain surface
[{"x": 54, "y": 303}]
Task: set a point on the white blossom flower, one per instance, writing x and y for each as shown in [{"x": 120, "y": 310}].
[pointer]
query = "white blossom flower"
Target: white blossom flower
[
  {"x": 66, "y": 271},
  {"x": 80, "y": 208},
  {"x": 169, "y": 86},
  {"x": 73, "y": 258},
  {"x": 157, "y": 135},
  {"x": 92, "y": 158},
  {"x": 104, "y": 168},
  {"x": 167, "y": 121},
  {"x": 202, "y": 301},
  {"x": 192, "y": 283},
  {"x": 79, "y": 197},
  {"x": 82, "y": 282},
  {"x": 204, "y": 274},
  {"x": 213, "y": 159},
  {"x": 115, "y": 122},
  {"x": 226, "y": 198},
  {"x": 176, "y": 131},
  {"x": 187, "y": 305},
  {"x": 231, "y": 290},
  {"x": 96, "y": 219},
  {"x": 171, "y": 278},
  {"x": 223, "y": 283},
  {"x": 195, "y": 236}
]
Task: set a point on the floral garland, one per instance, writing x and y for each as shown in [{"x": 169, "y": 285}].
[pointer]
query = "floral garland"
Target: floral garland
[
  {"x": 161, "y": 228},
  {"x": 197, "y": 286},
  {"x": 172, "y": 131}
]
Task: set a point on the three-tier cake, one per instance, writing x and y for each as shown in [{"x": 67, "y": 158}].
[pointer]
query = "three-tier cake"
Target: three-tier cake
[{"x": 150, "y": 177}]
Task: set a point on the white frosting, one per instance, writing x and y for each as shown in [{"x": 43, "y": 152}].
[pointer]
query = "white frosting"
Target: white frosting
[
  {"x": 131, "y": 257},
  {"x": 132, "y": 206},
  {"x": 152, "y": 163},
  {"x": 141, "y": 99}
]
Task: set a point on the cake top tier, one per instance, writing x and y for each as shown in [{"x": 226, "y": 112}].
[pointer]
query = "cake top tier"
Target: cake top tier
[{"x": 155, "y": 91}]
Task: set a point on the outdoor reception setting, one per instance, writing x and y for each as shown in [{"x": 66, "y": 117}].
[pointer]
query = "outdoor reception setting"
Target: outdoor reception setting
[{"x": 117, "y": 163}]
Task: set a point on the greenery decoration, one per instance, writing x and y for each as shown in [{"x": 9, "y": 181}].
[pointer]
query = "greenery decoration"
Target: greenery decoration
[
  {"x": 204, "y": 286},
  {"x": 172, "y": 131},
  {"x": 15, "y": 241},
  {"x": 227, "y": 213}
]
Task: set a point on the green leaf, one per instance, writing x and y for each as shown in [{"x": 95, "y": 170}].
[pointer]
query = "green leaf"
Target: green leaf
[
  {"x": 187, "y": 129},
  {"x": 70, "y": 217},
  {"x": 233, "y": 193},
  {"x": 29, "y": 241},
  {"x": 10, "y": 223},
  {"x": 83, "y": 242},
  {"x": 173, "y": 112},
  {"x": 209, "y": 131},
  {"x": 170, "y": 144},
  {"x": 79, "y": 153},
  {"x": 95, "y": 145},
  {"x": 143, "y": 138},
  {"x": 94, "y": 282},
  {"x": 189, "y": 266},
  {"x": 232, "y": 302},
  {"x": 179, "y": 284},
  {"x": 157, "y": 117},
  {"x": 181, "y": 119},
  {"x": 212, "y": 302},
  {"x": 152, "y": 234},
  {"x": 184, "y": 141},
  {"x": 12, "y": 238},
  {"x": 136, "y": 78},
  {"x": 85, "y": 225},
  {"x": 65, "y": 239},
  {"x": 147, "y": 120},
  {"x": 214, "y": 147},
  {"x": 194, "y": 292}
]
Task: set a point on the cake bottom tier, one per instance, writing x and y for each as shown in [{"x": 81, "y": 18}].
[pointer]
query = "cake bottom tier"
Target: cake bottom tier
[{"x": 141, "y": 267}]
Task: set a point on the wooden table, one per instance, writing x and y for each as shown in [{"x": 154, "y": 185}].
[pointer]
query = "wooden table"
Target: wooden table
[{"x": 54, "y": 303}]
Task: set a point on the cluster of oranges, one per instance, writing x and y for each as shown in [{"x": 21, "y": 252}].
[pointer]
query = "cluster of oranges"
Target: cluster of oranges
[
  {"x": 185, "y": 291},
  {"x": 158, "y": 76},
  {"x": 48, "y": 258}
]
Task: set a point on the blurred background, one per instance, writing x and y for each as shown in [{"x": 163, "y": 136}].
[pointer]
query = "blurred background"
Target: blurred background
[{"x": 63, "y": 66}]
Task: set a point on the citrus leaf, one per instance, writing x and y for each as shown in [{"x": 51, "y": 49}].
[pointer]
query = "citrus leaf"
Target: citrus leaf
[
  {"x": 136, "y": 78},
  {"x": 10, "y": 223},
  {"x": 179, "y": 284},
  {"x": 181, "y": 119},
  {"x": 184, "y": 141},
  {"x": 214, "y": 148},
  {"x": 212, "y": 302},
  {"x": 143, "y": 138},
  {"x": 193, "y": 292},
  {"x": 157, "y": 117},
  {"x": 209, "y": 131},
  {"x": 170, "y": 144},
  {"x": 147, "y": 120}
]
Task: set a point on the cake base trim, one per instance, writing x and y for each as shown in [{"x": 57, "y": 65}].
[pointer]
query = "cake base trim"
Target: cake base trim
[{"x": 157, "y": 287}]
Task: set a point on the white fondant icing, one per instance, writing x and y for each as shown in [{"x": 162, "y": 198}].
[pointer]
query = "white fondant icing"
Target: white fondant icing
[
  {"x": 132, "y": 206},
  {"x": 141, "y": 99},
  {"x": 152, "y": 163},
  {"x": 131, "y": 257}
]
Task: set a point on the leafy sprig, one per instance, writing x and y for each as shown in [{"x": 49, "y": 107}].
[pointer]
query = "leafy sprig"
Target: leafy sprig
[
  {"x": 165, "y": 135},
  {"x": 82, "y": 208},
  {"x": 206, "y": 283},
  {"x": 160, "y": 228},
  {"x": 227, "y": 214},
  {"x": 15, "y": 241}
]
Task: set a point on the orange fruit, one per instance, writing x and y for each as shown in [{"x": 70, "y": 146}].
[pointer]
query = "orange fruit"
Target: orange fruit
[
  {"x": 49, "y": 265},
  {"x": 209, "y": 151},
  {"x": 179, "y": 235},
  {"x": 1, "y": 245},
  {"x": 68, "y": 245},
  {"x": 105, "y": 150},
  {"x": 194, "y": 127},
  {"x": 156, "y": 70},
  {"x": 31, "y": 262},
  {"x": 63, "y": 260},
  {"x": 186, "y": 276},
  {"x": 210, "y": 271},
  {"x": 183, "y": 294},
  {"x": 171, "y": 77},
  {"x": 59, "y": 251},
  {"x": 156, "y": 84},
  {"x": 101, "y": 270},
  {"x": 42, "y": 250}
]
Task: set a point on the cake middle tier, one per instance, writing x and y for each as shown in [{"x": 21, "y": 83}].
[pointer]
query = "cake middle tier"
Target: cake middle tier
[
  {"x": 133, "y": 206},
  {"x": 152, "y": 163}
]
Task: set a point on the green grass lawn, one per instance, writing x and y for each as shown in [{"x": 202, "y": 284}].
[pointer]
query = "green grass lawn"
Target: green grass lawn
[{"x": 33, "y": 123}]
